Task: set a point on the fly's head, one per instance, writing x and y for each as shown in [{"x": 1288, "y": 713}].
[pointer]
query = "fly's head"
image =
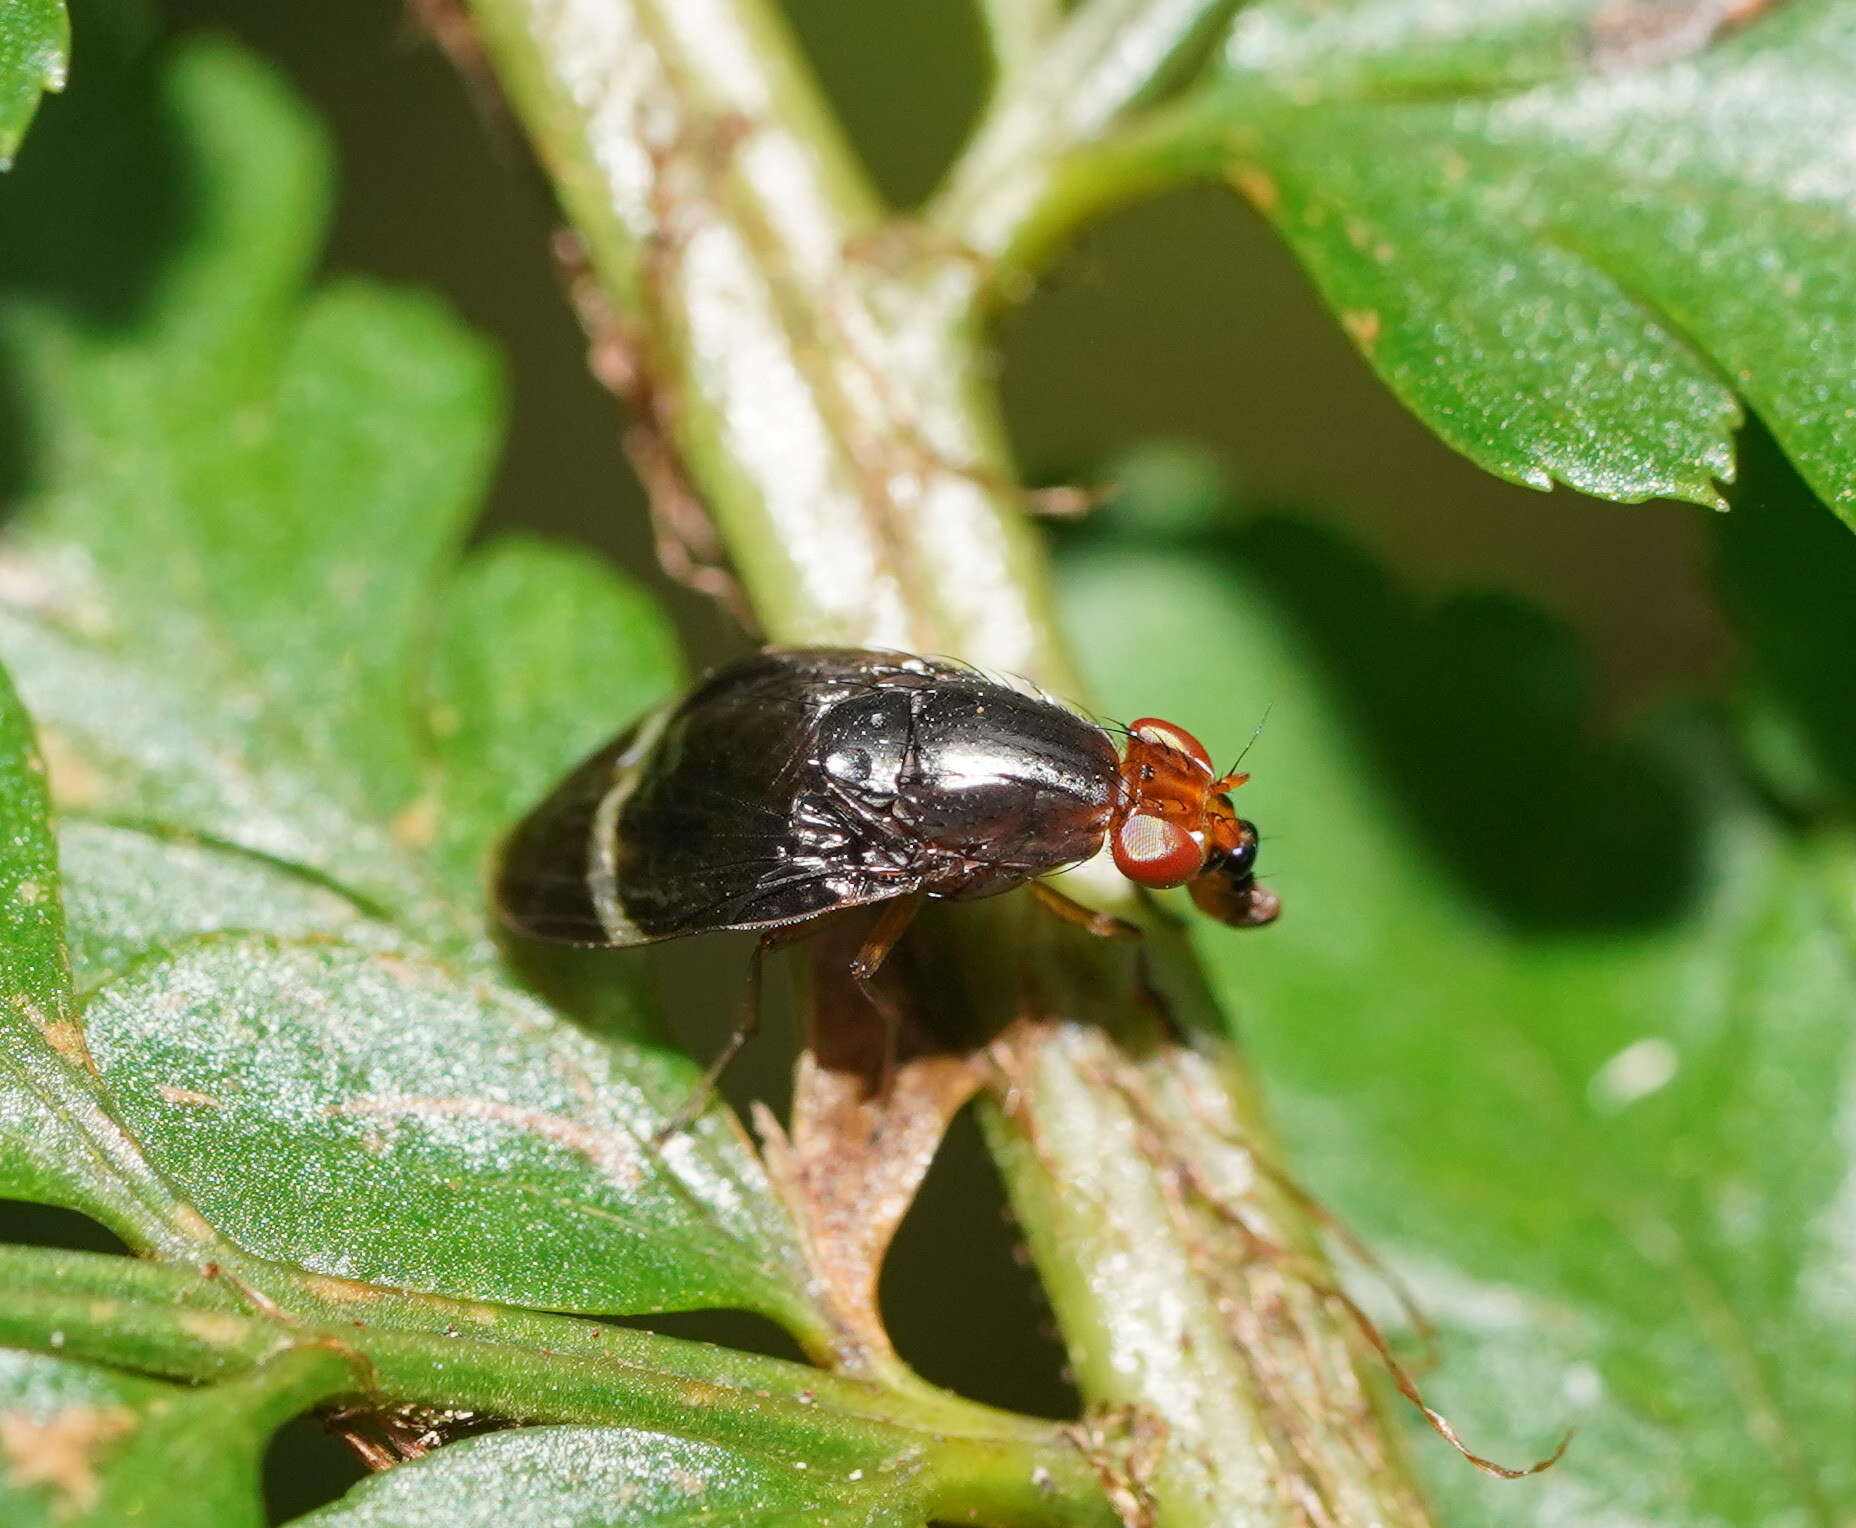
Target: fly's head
[{"x": 1174, "y": 825}]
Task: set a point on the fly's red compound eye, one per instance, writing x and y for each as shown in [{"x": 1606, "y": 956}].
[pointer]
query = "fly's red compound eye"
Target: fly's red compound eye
[
  {"x": 1157, "y": 853},
  {"x": 1150, "y": 729}
]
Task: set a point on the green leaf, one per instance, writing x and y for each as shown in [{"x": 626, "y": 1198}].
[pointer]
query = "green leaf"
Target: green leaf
[
  {"x": 585, "y": 1477},
  {"x": 267, "y": 556},
  {"x": 1315, "y": 51},
  {"x": 58, "y": 1142},
  {"x": 35, "y": 51},
  {"x": 38, "y": 979},
  {"x": 1560, "y": 1024},
  {"x": 1567, "y": 235},
  {"x": 372, "y": 1116},
  {"x": 514, "y": 695},
  {"x": 286, "y": 737},
  {"x": 82, "y": 1447},
  {"x": 130, "y": 890},
  {"x": 39, "y": 1148}
]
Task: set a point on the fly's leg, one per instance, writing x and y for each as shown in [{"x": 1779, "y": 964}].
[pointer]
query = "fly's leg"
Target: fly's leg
[
  {"x": 1103, "y": 925},
  {"x": 747, "y": 1025},
  {"x": 889, "y": 927},
  {"x": 1107, "y": 926}
]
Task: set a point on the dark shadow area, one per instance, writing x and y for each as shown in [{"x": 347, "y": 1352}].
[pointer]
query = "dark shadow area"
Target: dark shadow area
[
  {"x": 100, "y": 185},
  {"x": 1786, "y": 567},
  {"x": 46, "y": 1225},
  {"x": 1476, "y": 713},
  {"x": 907, "y": 81},
  {"x": 94, "y": 206},
  {"x": 1186, "y": 318},
  {"x": 700, "y": 981},
  {"x": 306, "y": 1467},
  {"x": 739, "y": 1329},
  {"x": 959, "y": 1296}
]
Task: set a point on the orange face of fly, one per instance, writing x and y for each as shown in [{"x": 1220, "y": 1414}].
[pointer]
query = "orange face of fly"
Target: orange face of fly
[{"x": 1174, "y": 825}]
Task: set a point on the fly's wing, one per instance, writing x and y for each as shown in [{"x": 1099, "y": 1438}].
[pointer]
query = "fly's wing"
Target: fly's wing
[
  {"x": 542, "y": 886},
  {"x": 713, "y": 815},
  {"x": 732, "y": 821}
]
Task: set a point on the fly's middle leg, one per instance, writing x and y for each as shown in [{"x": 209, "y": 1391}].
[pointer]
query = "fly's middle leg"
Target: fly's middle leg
[{"x": 889, "y": 928}]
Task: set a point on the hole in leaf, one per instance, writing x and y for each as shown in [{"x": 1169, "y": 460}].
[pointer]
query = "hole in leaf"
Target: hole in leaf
[
  {"x": 959, "y": 1296},
  {"x": 48, "y": 1225},
  {"x": 738, "y": 1329},
  {"x": 306, "y": 1467}
]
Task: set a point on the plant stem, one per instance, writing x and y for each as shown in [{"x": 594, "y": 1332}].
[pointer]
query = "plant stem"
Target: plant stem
[
  {"x": 818, "y": 376},
  {"x": 1111, "y": 55},
  {"x": 537, "y": 1368},
  {"x": 1184, "y": 142},
  {"x": 1016, "y": 32},
  {"x": 794, "y": 356}
]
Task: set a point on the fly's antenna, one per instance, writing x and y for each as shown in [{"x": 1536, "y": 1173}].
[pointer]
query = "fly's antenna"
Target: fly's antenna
[{"x": 1256, "y": 733}]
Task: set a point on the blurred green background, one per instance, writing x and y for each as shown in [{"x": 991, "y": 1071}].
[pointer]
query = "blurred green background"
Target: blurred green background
[{"x": 1181, "y": 322}]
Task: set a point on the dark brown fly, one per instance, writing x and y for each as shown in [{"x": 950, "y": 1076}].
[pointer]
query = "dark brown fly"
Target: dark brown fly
[{"x": 801, "y": 782}]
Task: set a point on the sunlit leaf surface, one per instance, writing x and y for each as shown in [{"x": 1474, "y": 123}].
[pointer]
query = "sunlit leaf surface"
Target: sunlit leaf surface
[
  {"x": 372, "y": 1116},
  {"x": 610, "y": 1478},
  {"x": 286, "y": 738},
  {"x": 41, "y": 1148},
  {"x": 1569, "y": 234},
  {"x": 35, "y": 48}
]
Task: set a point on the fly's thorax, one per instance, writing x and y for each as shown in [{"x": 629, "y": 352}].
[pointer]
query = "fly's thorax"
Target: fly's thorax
[
  {"x": 863, "y": 743},
  {"x": 1008, "y": 779}
]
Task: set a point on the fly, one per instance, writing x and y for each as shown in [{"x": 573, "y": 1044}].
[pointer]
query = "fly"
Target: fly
[{"x": 800, "y": 782}]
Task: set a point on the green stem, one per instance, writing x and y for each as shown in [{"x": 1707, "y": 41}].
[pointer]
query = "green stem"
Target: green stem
[
  {"x": 1182, "y": 143},
  {"x": 819, "y": 377},
  {"x": 1040, "y": 139},
  {"x": 1017, "y": 32},
  {"x": 530, "y": 1367},
  {"x": 793, "y": 355},
  {"x": 1182, "y": 1266}
]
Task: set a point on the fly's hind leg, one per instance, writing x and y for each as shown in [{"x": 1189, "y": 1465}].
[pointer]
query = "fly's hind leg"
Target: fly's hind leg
[
  {"x": 747, "y": 1025},
  {"x": 1107, "y": 926}
]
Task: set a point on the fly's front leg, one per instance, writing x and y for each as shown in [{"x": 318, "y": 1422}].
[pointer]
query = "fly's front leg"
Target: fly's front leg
[
  {"x": 1107, "y": 926},
  {"x": 1103, "y": 925}
]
